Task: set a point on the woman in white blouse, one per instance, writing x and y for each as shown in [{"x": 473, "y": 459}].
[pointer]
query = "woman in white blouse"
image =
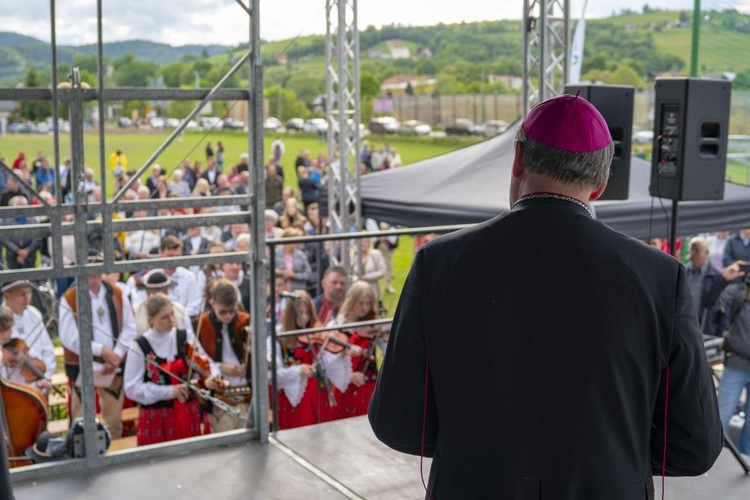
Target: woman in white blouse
[{"x": 168, "y": 409}]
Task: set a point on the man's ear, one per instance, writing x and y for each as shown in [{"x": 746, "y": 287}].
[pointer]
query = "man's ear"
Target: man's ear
[
  {"x": 599, "y": 191},
  {"x": 518, "y": 169}
]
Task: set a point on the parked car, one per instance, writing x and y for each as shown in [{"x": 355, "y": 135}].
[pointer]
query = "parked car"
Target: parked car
[
  {"x": 157, "y": 122},
  {"x": 415, "y": 127},
  {"x": 272, "y": 124},
  {"x": 384, "y": 125},
  {"x": 315, "y": 125},
  {"x": 462, "y": 126},
  {"x": 211, "y": 123},
  {"x": 232, "y": 124},
  {"x": 172, "y": 122},
  {"x": 495, "y": 127},
  {"x": 295, "y": 124},
  {"x": 22, "y": 128},
  {"x": 643, "y": 137},
  {"x": 191, "y": 125}
]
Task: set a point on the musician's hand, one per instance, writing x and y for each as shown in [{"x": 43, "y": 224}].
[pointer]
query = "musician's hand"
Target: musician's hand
[
  {"x": 355, "y": 350},
  {"x": 231, "y": 370},
  {"x": 213, "y": 382},
  {"x": 110, "y": 357},
  {"x": 181, "y": 392},
  {"x": 108, "y": 368},
  {"x": 358, "y": 379},
  {"x": 732, "y": 272},
  {"x": 44, "y": 384},
  {"x": 307, "y": 371}
]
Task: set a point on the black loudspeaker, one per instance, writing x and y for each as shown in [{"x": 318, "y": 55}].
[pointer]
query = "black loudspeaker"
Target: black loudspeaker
[
  {"x": 691, "y": 127},
  {"x": 615, "y": 103}
]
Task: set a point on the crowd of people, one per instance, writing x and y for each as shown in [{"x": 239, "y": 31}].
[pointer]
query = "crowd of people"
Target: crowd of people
[{"x": 145, "y": 323}]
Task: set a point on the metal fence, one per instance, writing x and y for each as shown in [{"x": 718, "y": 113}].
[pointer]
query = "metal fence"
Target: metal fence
[{"x": 81, "y": 227}]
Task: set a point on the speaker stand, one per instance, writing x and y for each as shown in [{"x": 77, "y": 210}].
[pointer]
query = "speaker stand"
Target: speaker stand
[{"x": 673, "y": 231}]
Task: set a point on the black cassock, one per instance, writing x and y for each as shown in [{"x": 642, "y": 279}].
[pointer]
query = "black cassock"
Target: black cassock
[{"x": 548, "y": 337}]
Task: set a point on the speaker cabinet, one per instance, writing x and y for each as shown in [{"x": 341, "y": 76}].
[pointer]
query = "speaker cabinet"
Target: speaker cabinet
[
  {"x": 615, "y": 103},
  {"x": 691, "y": 128}
]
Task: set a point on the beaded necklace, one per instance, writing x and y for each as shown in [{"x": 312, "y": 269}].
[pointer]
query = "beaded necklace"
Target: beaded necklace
[{"x": 535, "y": 196}]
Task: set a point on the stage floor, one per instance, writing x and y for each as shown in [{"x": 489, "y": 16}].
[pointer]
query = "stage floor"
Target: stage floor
[{"x": 335, "y": 460}]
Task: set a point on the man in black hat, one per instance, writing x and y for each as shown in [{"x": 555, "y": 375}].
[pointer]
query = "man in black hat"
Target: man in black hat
[
  {"x": 113, "y": 331},
  {"x": 154, "y": 282}
]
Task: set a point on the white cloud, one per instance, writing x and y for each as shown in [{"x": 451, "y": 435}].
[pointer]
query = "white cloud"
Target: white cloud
[{"x": 180, "y": 22}]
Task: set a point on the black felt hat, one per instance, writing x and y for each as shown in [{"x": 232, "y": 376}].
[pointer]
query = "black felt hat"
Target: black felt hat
[{"x": 48, "y": 448}]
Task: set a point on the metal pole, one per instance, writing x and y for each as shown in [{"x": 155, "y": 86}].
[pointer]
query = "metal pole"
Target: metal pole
[
  {"x": 258, "y": 300},
  {"x": 6, "y": 489},
  {"x": 272, "y": 298},
  {"x": 54, "y": 215},
  {"x": 696, "y": 38},
  {"x": 107, "y": 236},
  {"x": 673, "y": 229},
  {"x": 85, "y": 330}
]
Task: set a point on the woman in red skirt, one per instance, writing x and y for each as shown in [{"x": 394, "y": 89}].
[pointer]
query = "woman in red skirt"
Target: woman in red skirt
[
  {"x": 302, "y": 399},
  {"x": 360, "y": 305},
  {"x": 168, "y": 409}
]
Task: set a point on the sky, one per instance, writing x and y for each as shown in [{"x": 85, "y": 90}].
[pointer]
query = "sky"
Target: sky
[{"x": 181, "y": 22}]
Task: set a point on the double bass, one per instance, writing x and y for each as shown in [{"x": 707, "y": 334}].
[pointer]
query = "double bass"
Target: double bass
[
  {"x": 24, "y": 418},
  {"x": 24, "y": 406}
]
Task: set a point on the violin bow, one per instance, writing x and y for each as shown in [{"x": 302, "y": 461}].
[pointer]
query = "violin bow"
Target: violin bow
[{"x": 204, "y": 393}]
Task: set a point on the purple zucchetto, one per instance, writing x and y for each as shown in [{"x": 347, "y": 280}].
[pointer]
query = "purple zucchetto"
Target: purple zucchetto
[{"x": 567, "y": 122}]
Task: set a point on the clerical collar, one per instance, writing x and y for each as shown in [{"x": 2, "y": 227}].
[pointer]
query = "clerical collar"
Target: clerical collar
[{"x": 536, "y": 196}]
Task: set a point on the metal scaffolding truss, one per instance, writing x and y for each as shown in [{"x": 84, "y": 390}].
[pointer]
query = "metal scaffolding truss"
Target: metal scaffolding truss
[
  {"x": 343, "y": 116},
  {"x": 97, "y": 218},
  {"x": 546, "y": 45}
]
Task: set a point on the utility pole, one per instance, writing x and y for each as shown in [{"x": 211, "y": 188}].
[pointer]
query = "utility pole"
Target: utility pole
[
  {"x": 278, "y": 105},
  {"x": 481, "y": 95},
  {"x": 696, "y": 38}
]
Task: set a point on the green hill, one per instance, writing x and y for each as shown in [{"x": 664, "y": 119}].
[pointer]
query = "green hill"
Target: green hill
[{"x": 18, "y": 52}]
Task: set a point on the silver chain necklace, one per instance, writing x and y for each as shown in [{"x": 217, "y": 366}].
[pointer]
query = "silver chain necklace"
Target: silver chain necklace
[{"x": 536, "y": 196}]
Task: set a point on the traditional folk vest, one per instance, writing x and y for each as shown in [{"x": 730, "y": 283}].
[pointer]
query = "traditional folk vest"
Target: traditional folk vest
[
  {"x": 209, "y": 335},
  {"x": 153, "y": 374},
  {"x": 113, "y": 296}
]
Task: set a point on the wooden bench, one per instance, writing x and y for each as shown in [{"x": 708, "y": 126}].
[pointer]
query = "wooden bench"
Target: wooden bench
[{"x": 125, "y": 443}]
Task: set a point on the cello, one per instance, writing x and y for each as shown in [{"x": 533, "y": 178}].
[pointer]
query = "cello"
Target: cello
[{"x": 24, "y": 418}]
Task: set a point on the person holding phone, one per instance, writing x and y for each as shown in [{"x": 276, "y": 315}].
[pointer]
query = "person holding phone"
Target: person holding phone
[{"x": 731, "y": 292}]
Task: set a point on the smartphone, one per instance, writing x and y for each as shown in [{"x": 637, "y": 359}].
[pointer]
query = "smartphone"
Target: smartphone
[{"x": 745, "y": 268}]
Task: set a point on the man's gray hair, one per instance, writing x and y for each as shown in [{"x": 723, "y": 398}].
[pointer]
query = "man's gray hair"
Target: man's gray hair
[{"x": 566, "y": 166}]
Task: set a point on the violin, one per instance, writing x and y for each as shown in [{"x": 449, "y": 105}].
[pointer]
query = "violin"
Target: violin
[
  {"x": 16, "y": 354},
  {"x": 199, "y": 363},
  {"x": 333, "y": 342}
]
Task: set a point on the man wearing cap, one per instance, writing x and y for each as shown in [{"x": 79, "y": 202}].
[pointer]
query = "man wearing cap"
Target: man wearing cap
[
  {"x": 584, "y": 374},
  {"x": 184, "y": 290},
  {"x": 113, "y": 327},
  {"x": 28, "y": 324},
  {"x": 154, "y": 282}
]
